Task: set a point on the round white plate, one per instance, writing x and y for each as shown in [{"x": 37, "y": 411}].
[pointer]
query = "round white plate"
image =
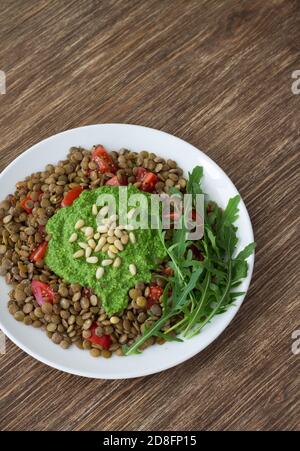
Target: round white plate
[{"x": 113, "y": 137}]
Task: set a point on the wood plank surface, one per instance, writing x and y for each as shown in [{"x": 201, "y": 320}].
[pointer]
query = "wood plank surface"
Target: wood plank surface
[{"x": 217, "y": 74}]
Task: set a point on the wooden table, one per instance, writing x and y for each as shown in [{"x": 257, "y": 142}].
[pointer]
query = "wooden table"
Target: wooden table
[{"x": 217, "y": 74}]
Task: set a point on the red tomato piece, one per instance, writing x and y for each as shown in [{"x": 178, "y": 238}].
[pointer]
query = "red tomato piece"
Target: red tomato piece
[
  {"x": 195, "y": 217},
  {"x": 140, "y": 174},
  {"x": 155, "y": 293},
  {"x": 103, "y": 160},
  {"x": 104, "y": 340},
  {"x": 38, "y": 254},
  {"x": 42, "y": 292},
  {"x": 149, "y": 182},
  {"x": 197, "y": 220},
  {"x": 114, "y": 181},
  {"x": 148, "y": 179},
  {"x": 71, "y": 195},
  {"x": 24, "y": 203}
]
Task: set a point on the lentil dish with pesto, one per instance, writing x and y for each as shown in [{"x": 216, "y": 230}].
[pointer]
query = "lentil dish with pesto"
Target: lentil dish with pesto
[{"x": 109, "y": 289}]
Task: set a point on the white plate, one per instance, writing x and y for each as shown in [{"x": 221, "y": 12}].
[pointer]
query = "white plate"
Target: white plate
[{"x": 113, "y": 137}]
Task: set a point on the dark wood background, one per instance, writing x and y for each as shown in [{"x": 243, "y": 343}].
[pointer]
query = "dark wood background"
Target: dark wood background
[{"x": 217, "y": 74}]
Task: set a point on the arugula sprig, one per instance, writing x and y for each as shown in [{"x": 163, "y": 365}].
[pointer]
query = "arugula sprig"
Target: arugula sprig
[{"x": 199, "y": 289}]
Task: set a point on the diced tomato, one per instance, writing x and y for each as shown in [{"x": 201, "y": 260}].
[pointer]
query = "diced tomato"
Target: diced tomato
[
  {"x": 114, "y": 181},
  {"x": 150, "y": 302},
  {"x": 196, "y": 217},
  {"x": 148, "y": 179},
  {"x": 140, "y": 174},
  {"x": 155, "y": 293},
  {"x": 38, "y": 254},
  {"x": 24, "y": 203},
  {"x": 197, "y": 253},
  {"x": 103, "y": 160},
  {"x": 104, "y": 340},
  {"x": 42, "y": 292},
  {"x": 71, "y": 195},
  {"x": 198, "y": 221},
  {"x": 149, "y": 182}
]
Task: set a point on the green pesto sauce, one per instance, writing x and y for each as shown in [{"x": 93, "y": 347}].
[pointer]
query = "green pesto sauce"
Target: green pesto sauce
[{"x": 113, "y": 287}]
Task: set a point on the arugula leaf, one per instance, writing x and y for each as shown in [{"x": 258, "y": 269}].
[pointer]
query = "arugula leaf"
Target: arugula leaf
[
  {"x": 193, "y": 185},
  {"x": 230, "y": 214},
  {"x": 246, "y": 252},
  {"x": 196, "y": 313},
  {"x": 200, "y": 289},
  {"x": 212, "y": 239}
]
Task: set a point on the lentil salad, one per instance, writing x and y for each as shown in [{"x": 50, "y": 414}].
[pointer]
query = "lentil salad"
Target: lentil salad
[{"x": 73, "y": 313}]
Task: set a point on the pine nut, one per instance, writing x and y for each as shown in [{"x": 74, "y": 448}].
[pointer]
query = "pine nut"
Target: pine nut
[
  {"x": 111, "y": 254},
  {"x": 114, "y": 320},
  {"x": 97, "y": 236},
  {"x": 99, "y": 272},
  {"x": 129, "y": 227},
  {"x": 92, "y": 260},
  {"x": 89, "y": 231},
  {"x": 83, "y": 245},
  {"x": 117, "y": 262},
  {"x": 92, "y": 243},
  {"x": 131, "y": 213},
  {"x": 118, "y": 233},
  {"x": 102, "y": 228},
  {"x": 113, "y": 226},
  {"x": 119, "y": 245},
  {"x": 88, "y": 252},
  {"x": 104, "y": 210},
  {"x": 106, "y": 262},
  {"x": 112, "y": 248},
  {"x": 79, "y": 224},
  {"x": 111, "y": 239},
  {"x": 94, "y": 299},
  {"x": 95, "y": 210},
  {"x": 105, "y": 247},
  {"x": 110, "y": 232},
  {"x": 78, "y": 254},
  {"x": 132, "y": 237},
  {"x": 73, "y": 237},
  {"x": 132, "y": 269},
  {"x": 124, "y": 239},
  {"x": 100, "y": 244}
]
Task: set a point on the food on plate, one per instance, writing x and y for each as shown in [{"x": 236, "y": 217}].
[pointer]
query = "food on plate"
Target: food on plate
[{"x": 88, "y": 279}]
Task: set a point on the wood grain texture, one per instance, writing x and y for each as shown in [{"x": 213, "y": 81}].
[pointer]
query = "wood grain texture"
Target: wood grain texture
[{"x": 218, "y": 74}]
